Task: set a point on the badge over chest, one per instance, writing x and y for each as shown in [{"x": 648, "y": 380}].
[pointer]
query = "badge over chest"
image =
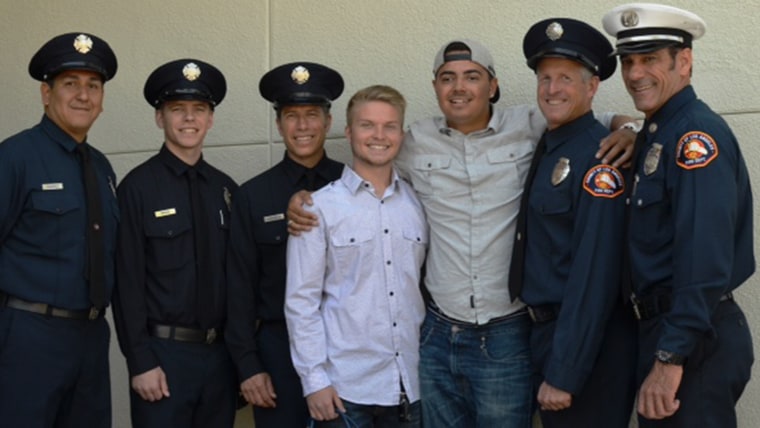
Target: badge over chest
[
  {"x": 604, "y": 181},
  {"x": 695, "y": 150},
  {"x": 561, "y": 170},
  {"x": 652, "y": 159}
]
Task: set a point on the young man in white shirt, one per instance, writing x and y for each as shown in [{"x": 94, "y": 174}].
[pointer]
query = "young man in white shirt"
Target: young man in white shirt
[{"x": 353, "y": 304}]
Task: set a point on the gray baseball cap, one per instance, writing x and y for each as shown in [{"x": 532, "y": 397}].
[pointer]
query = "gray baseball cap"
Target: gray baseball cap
[{"x": 476, "y": 52}]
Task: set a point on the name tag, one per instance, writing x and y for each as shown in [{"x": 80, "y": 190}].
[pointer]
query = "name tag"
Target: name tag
[
  {"x": 52, "y": 186},
  {"x": 274, "y": 217},
  {"x": 165, "y": 213}
]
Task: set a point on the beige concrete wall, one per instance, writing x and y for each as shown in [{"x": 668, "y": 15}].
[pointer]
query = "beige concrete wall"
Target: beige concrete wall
[{"x": 369, "y": 41}]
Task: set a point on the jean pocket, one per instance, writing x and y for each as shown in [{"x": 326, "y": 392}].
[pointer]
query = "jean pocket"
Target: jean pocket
[
  {"x": 426, "y": 330},
  {"x": 503, "y": 344}
]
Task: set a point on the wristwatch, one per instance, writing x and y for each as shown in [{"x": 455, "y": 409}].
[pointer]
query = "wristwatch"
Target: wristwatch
[{"x": 666, "y": 357}]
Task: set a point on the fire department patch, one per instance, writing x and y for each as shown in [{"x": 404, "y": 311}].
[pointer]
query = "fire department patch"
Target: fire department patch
[
  {"x": 695, "y": 150},
  {"x": 604, "y": 181}
]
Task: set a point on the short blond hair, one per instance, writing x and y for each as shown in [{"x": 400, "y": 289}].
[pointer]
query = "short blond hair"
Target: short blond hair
[{"x": 381, "y": 93}]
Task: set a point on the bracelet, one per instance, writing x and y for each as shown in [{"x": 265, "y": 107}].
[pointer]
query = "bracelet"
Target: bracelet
[{"x": 633, "y": 126}]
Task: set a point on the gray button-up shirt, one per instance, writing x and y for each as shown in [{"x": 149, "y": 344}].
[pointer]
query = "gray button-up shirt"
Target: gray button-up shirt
[{"x": 470, "y": 187}]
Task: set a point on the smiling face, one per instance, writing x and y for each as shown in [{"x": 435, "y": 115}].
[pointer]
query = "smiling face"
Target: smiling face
[
  {"x": 304, "y": 130},
  {"x": 653, "y": 78},
  {"x": 463, "y": 89},
  {"x": 74, "y": 101},
  {"x": 565, "y": 90},
  {"x": 375, "y": 133},
  {"x": 185, "y": 124}
]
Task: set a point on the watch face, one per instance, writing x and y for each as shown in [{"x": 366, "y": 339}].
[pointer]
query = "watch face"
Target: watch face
[{"x": 666, "y": 357}]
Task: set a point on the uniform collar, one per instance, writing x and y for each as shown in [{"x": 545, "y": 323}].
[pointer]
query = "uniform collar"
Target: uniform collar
[
  {"x": 557, "y": 136},
  {"x": 58, "y": 135},
  {"x": 178, "y": 167},
  {"x": 295, "y": 170},
  {"x": 671, "y": 107}
]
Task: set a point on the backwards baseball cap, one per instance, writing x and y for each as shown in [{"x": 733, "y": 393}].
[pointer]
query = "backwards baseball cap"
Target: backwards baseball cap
[
  {"x": 466, "y": 50},
  {"x": 647, "y": 27}
]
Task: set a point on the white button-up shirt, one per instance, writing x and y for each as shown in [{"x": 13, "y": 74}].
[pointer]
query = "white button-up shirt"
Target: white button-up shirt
[
  {"x": 470, "y": 186},
  {"x": 353, "y": 304}
]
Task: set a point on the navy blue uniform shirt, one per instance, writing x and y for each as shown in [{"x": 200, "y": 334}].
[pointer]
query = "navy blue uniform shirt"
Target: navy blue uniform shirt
[
  {"x": 156, "y": 276},
  {"x": 256, "y": 259},
  {"x": 43, "y": 217},
  {"x": 573, "y": 253},
  {"x": 690, "y": 217}
]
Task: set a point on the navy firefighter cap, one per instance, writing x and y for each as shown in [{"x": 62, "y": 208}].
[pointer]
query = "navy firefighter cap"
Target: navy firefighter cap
[
  {"x": 185, "y": 79},
  {"x": 571, "y": 39},
  {"x": 301, "y": 83},
  {"x": 73, "y": 51}
]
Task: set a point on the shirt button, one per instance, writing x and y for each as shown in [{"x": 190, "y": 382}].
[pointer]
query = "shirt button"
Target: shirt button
[
  {"x": 519, "y": 236},
  {"x": 351, "y": 240},
  {"x": 397, "y": 354},
  {"x": 394, "y": 324},
  {"x": 386, "y": 231},
  {"x": 639, "y": 202},
  {"x": 391, "y": 293},
  {"x": 95, "y": 226},
  {"x": 388, "y": 262}
]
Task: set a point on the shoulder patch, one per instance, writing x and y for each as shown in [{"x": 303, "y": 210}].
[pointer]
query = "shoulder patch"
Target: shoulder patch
[
  {"x": 604, "y": 181},
  {"x": 695, "y": 150}
]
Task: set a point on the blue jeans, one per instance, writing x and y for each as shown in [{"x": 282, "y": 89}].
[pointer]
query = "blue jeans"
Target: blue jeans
[
  {"x": 475, "y": 376},
  {"x": 369, "y": 416}
]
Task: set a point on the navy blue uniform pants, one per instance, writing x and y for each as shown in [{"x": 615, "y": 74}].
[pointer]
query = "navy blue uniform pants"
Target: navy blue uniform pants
[
  {"x": 274, "y": 352},
  {"x": 53, "y": 371},
  {"x": 202, "y": 386},
  {"x": 606, "y": 399},
  {"x": 714, "y": 376}
]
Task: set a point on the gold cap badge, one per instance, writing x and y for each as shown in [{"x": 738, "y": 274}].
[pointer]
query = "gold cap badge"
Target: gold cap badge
[
  {"x": 191, "y": 71},
  {"x": 554, "y": 31},
  {"x": 83, "y": 43},
  {"x": 561, "y": 171},
  {"x": 300, "y": 75}
]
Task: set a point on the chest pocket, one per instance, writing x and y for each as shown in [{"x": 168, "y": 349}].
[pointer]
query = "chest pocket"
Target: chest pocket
[
  {"x": 555, "y": 203},
  {"x": 273, "y": 233},
  {"x": 430, "y": 174},
  {"x": 351, "y": 240},
  {"x": 169, "y": 242},
  {"x": 54, "y": 202},
  {"x": 649, "y": 192}
]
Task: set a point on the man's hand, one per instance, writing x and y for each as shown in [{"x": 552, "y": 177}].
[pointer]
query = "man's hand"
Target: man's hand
[
  {"x": 258, "y": 390},
  {"x": 551, "y": 398},
  {"x": 617, "y": 148},
  {"x": 322, "y": 404},
  {"x": 657, "y": 396},
  {"x": 151, "y": 385},
  {"x": 300, "y": 220}
]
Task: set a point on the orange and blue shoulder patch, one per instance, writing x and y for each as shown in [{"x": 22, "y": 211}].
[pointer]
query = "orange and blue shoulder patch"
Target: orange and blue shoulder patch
[
  {"x": 695, "y": 150},
  {"x": 604, "y": 181}
]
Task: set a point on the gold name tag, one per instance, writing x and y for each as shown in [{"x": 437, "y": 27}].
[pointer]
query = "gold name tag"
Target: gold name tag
[
  {"x": 52, "y": 186},
  {"x": 274, "y": 217},
  {"x": 165, "y": 213}
]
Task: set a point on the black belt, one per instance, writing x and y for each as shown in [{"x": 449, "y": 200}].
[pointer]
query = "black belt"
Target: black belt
[
  {"x": 648, "y": 307},
  {"x": 543, "y": 313},
  {"x": 436, "y": 310},
  {"x": 184, "y": 334},
  {"x": 49, "y": 310}
]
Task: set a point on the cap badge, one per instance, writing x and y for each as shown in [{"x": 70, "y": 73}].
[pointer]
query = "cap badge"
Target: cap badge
[
  {"x": 191, "y": 71},
  {"x": 652, "y": 159},
  {"x": 629, "y": 18},
  {"x": 83, "y": 43},
  {"x": 300, "y": 75},
  {"x": 554, "y": 31},
  {"x": 561, "y": 170}
]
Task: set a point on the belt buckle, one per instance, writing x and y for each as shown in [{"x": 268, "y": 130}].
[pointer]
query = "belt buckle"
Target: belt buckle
[
  {"x": 636, "y": 311},
  {"x": 210, "y": 336},
  {"x": 94, "y": 312},
  {"x": 532, "y": 314}
]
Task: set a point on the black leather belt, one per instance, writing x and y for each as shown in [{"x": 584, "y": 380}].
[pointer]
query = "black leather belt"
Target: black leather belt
[
  {"x": 184, "y": 334},
  {"x": 543, "y": 313},
  {"x": 49, "y": 310},
  {"x": 648, "y": 307}
]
